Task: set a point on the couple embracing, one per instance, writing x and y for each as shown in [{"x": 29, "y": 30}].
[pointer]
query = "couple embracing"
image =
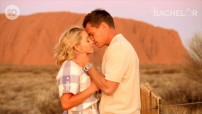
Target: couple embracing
[{"x": 78, "y": 79}]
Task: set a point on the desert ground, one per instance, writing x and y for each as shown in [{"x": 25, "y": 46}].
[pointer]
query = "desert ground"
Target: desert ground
[{"x": 33, "y": 89}]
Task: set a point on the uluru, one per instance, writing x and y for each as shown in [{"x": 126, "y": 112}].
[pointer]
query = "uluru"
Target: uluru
[{"x": 30, "y": 39}]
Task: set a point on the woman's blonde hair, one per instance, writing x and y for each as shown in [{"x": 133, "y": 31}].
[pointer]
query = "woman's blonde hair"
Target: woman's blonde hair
[{"x": 64, "y": 49}]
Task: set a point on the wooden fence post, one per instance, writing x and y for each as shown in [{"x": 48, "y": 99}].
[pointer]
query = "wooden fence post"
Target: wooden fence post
[{"x": 150, "y": 102}]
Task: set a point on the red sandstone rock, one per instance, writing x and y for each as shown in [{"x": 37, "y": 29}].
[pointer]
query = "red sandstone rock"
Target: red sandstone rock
[{"x": 29, "y": 40}]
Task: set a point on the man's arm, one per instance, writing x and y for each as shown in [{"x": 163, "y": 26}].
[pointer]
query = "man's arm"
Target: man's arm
[{"x": 108, "y": 87}]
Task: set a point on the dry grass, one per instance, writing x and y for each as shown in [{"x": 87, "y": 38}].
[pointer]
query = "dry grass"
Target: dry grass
[
  {"x": 176, "y": 85},
  {"x": 33, "y": 90},
  {"x": 28, "y": 90}
]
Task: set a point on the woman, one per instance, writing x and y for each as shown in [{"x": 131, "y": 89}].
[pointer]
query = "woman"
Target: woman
[{"x": 76, "y": 90}]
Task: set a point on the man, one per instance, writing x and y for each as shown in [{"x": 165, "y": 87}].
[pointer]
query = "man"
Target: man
[{"x": 119, "y": 80}]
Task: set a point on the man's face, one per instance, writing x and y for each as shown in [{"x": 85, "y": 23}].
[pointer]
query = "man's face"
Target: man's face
[{"x": 96, "y": 35}]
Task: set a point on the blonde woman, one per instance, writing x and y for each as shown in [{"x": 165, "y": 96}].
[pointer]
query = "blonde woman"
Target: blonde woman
[{"x": 76, "y": 90}]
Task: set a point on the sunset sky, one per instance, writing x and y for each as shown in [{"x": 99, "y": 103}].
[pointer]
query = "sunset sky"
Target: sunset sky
[{"x": 184, "y": 16}]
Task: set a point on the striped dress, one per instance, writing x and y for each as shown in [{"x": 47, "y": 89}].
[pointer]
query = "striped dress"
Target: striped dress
[{"x": 72, "y": 79}]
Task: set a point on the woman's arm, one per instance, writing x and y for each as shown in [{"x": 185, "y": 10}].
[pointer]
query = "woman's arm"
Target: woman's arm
[{"x": 69, "y": 100}]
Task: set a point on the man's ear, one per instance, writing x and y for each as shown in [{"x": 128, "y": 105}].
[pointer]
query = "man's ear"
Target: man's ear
[{"x": 104, "y": 26}]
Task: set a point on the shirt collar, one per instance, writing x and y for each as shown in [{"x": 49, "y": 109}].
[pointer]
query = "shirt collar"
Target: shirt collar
[{"x": 115, "y": 38}]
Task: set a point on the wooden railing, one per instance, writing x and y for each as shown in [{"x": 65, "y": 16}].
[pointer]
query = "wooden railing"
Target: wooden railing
[{"x": 150, "y": 102}]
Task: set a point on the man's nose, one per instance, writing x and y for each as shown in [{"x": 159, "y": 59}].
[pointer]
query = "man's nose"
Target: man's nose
[
  {"x": 91, "y": 41},
  {"x": 91, "y": 38}
]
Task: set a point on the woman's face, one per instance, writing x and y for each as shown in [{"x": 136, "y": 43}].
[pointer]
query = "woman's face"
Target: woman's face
[{"x": 86, "y": 44}]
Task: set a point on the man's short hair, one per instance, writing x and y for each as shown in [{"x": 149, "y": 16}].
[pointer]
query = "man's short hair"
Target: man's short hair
[{"x": 96, "y": 17}]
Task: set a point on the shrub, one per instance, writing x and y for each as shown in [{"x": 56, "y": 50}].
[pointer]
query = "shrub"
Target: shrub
[{"x": 194, "y": 68}]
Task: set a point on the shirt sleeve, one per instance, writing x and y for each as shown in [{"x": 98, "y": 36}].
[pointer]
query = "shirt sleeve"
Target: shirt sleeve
[
  {"x": 69, "y": 79},
  {"x": 116, "y": 62}
]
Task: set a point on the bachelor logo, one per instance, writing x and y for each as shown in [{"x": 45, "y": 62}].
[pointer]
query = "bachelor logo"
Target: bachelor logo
[{"x": 176, "y": 13}]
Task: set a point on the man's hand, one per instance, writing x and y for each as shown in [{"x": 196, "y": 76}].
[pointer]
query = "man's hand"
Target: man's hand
[{"x": 82, "y": 58}]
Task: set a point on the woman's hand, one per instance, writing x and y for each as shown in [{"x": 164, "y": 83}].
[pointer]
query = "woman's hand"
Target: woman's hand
[{"x": 94, "y": 87}]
